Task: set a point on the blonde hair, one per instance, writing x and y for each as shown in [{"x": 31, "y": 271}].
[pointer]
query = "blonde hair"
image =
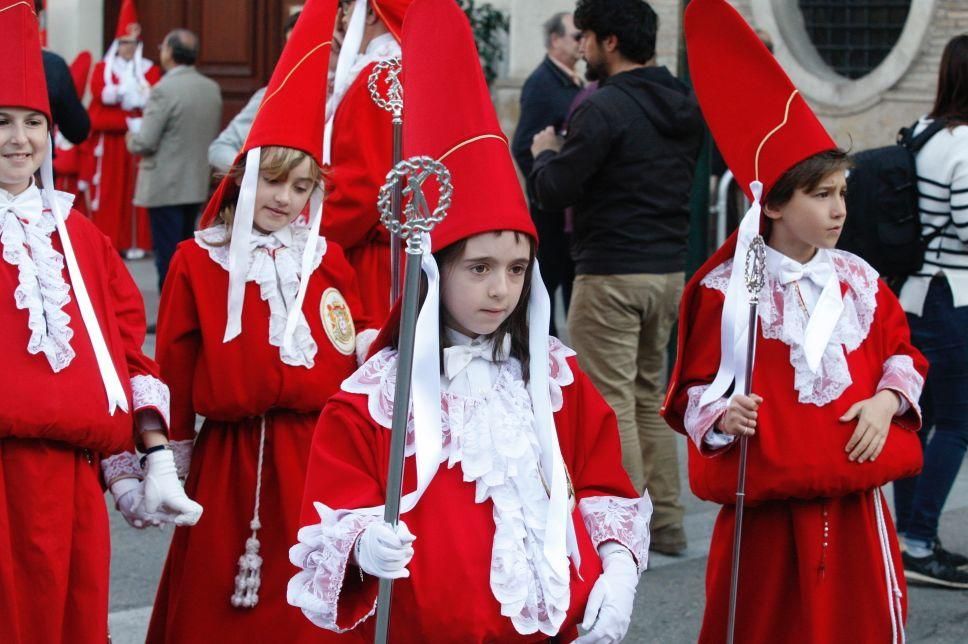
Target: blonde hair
[{"x": 276, "y": 162}]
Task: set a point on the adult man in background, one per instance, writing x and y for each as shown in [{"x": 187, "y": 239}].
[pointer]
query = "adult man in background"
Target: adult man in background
[
  {"x": 545, "y": 99},
  {"x": 626, "y": 167},
  {"x": 180, "y": 120}
]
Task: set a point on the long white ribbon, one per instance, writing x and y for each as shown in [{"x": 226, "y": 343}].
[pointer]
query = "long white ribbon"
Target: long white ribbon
[
  {"x": 348, "y": 52},
  {"x": 239, "y": 251},
  {"x": 822, "y": 322},
  {"x": 308, "y": 257},
  {"x": 117, "y": 398}
]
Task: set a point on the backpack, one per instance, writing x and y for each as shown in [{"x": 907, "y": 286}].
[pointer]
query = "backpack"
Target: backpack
[{"x": 883, "y": 223}]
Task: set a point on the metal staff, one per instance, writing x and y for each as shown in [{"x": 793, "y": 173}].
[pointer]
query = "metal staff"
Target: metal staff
[
  {"x": 755, "y": 264},
  {"x": 393, "y": 103},
  {"x": 419, "y": 219}
]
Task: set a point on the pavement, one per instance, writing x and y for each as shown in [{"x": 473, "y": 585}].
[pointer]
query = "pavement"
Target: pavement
[{"x": 670, "y": 599}]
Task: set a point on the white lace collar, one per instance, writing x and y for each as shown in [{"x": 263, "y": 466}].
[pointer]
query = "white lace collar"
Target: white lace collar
[
  {"x": 26, "y": 228},
  {"x": 493, "y": 439},
  {"x": 275, "y": 265},
  {"x": 782, "y": 317}
]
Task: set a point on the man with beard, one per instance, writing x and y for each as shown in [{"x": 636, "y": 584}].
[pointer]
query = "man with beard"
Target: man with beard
[{"x": 626, "y": 169}]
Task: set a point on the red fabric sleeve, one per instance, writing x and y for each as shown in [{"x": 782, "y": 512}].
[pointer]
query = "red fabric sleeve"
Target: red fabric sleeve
[{"x": 348, "y": 286}]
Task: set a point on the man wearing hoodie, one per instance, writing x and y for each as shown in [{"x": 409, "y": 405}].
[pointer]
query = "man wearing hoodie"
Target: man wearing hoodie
[{"x": 626, "y": 167}]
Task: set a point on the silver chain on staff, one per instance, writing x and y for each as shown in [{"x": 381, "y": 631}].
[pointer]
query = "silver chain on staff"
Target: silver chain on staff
[
  {"x": 393, "y": 101},
  {"x": 755, "y": 268},
  {"x": 417, "y": 216}
]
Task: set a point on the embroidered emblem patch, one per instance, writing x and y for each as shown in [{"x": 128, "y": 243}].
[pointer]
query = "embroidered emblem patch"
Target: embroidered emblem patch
[{"x": 337, "y": 321}]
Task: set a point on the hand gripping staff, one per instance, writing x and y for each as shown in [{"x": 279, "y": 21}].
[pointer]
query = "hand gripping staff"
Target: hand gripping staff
[
  {"x": 415, "y": 229},
  {"x": 393, "y": 103},
  {"x": 755, "y": 264}
]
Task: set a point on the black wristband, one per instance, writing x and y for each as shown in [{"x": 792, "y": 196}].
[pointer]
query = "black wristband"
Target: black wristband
[{"x": 152, "y": 450}]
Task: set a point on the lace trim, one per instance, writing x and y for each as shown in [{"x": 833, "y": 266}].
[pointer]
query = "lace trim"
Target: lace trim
[
  {"x": 614, "y": 518},
  {"x": 277, "y": 273},
  {"x": 783, "y": 318},
  {"x": 699, "y": 420},
  {"x": 182, "y": 451},
  {"x": 364, "y": 339},
  {"x": 322, "y": 554},
  {"x": 901, "y": 376},
  {"x": 125, "y": 465},
  {"x": 42, "y": 289},
  {"x": 147, "y": 392}
]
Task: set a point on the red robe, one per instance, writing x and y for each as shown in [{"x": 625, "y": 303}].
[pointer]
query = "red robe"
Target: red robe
[
  {"x": 813, "y": 564},
  {"x": 448, "y": 597},
  {"x": 54, "y": 533},
  {"x": 233, "y": 385},
  {"x": 68, "y": 161},
  {"x": 362, "y": 154},
  {"x": 110, "y": 169}
]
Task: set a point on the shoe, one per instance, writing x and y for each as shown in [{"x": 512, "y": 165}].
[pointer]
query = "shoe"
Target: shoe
[
  {"x": 952, "y": 559},
  {"x": 933, "y": 571},
  {"x": 670, "y": 540}
]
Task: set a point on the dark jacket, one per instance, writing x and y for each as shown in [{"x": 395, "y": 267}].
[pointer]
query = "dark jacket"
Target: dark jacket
[
  {"x": 545, "y": 98},
  {"x": 626, "y": 168},
  {"x": 69, "y": 115}
]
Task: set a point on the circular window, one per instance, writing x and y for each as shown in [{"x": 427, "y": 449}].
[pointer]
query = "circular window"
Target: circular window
[{"x": 854, "y": 36}]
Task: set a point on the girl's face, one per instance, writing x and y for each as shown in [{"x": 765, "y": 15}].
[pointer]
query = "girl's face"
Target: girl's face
[
  {"x": 481, "y": 288},
  {"x": 810, "y": 220},
  {"x": 23, "y": 146},
  {"x": 279, "y": 201}
]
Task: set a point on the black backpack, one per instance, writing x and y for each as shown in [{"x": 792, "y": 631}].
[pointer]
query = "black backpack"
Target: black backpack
[{"x": 883, "y": 224}]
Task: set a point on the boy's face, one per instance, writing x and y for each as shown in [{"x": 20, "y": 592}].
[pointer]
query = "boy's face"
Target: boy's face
[
  {"x": 481, "y": 288},
  {"x": 812, "y": 219},
  {"x": 278, "y": 201},
  {"x": 23, "y": 146}
]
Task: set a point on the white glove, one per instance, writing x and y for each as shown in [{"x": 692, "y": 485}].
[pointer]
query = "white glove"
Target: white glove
[
  {"x": 128, "y": 495},
  {"x": 164, "y": 494},
  {"x": 609, "y": 609},
  {"x": 384, "y": 551}
]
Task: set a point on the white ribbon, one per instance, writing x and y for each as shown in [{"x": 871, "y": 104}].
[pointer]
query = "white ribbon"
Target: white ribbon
[
  {"x": 117, "y": 398},
  {"x": 348, "y": 52},
  {"x": 735, "y": 321},
  {"x": 458, "y": 357},
  {"x": 239, "y": 251},
  {"x": 308, "y": 259}
]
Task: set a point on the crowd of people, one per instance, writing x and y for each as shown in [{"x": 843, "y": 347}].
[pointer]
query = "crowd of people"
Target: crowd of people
[{"x": 277, "y": 329}]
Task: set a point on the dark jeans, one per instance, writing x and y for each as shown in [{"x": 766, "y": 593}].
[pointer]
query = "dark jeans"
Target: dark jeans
[
  {"x": 554, "y": 256},
  {"x": 170, "y": 225},
  {"x": 942, "y": 336}
]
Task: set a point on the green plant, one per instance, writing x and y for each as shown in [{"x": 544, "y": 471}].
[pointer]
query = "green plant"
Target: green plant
[{"x": 489, "y": 25}]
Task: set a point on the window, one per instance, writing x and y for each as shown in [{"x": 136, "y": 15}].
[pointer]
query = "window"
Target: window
[{"x": 854, "y": 36}]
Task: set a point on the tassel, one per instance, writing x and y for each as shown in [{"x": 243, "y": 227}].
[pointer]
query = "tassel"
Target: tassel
[{"x": 249, "y": 578}]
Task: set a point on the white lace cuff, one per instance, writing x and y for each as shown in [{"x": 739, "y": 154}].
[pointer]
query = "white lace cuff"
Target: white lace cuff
[
  {"x": 125, "y": 465},
  {"x": 364, "y": 339},
  {"x": 614, "y": 518},
  {"x": 322, "y": 554},
  {"x": 147, "y": 392},
  {"x": 699, "y": 420},
  {"x": 183, "y": 456},
  {"x": 901, "y": 377}
]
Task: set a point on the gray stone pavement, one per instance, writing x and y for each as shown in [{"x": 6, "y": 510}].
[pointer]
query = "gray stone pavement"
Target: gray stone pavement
[{"x": 669, "y": 604}]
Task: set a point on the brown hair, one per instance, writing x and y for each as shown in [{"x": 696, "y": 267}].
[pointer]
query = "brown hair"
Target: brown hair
[
  {"x": 951, "y": 101},
  {"x": 806, "y": 176},
  {"x": 276, "y": 162}
]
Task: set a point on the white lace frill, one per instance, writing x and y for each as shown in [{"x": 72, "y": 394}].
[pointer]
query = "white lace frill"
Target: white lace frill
[
  {"x": 698, "y": 419},
  {"x": 322, "y": 555},
  {"x": 626, "y": 521},
  {"x": 147, "y": 392},
  {"x": 277, "y": 274},
  {"x": 42, "y": 290},
  {"x": 493, "y": 439},
  {"x": 183, "y": 456},
  {"x": 125, "y": 465},
  {"x": 901, "y": 376},
  {"x": 783, "y": 318}
]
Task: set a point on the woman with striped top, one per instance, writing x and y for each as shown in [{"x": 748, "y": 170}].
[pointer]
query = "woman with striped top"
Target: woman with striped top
[{"x": 936, "y": 301}]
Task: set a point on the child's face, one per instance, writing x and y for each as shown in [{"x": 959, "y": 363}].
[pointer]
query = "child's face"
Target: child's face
[
  {"x": 23, "y": 146},
  {"x": 279, "y": 201},
  {"x": 481, "y": 288},
  {"x": 811, "y": 220}
]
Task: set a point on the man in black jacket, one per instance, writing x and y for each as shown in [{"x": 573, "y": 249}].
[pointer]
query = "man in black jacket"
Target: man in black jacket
[
  {"x": 626, "y": 167},
  {"x": 545, "y": 99}
]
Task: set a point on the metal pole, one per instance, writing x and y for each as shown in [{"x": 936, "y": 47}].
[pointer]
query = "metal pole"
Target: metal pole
[
  {"x": 755, "y": 260},
  {"x": 395, "y": 284}
]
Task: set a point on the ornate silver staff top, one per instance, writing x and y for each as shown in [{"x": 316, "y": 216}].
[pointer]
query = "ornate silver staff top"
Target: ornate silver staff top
[
  {"x": 393, "y": 101},
  {"x": 755, "y": 269},
  {"x": 418, "y": 218}
]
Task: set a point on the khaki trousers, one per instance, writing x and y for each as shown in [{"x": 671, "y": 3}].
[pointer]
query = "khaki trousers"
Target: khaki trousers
[{"x": 620, "y": 326}]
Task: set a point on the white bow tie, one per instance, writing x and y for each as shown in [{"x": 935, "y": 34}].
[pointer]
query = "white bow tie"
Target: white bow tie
[
  {"x": 28, "y": 205},
  {"x": 456, "y": 358},
  {"x": 818, "y": 272}
]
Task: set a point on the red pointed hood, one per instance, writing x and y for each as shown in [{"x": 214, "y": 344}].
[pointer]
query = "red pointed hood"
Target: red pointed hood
[
  {"x": 80, "y": 68},
  {"x": 127, "y": 20},
  {"x": 22, "y": 80},
  {"x": 392, "y": 12}
]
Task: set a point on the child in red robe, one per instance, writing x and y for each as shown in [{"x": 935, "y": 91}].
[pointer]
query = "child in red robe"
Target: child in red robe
[
  {"x": 76, "y": 385},
  {"x": 519, "y": 521},
  {"x": 835, "y": 383},
  {"x": 259, "y": 379}
]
